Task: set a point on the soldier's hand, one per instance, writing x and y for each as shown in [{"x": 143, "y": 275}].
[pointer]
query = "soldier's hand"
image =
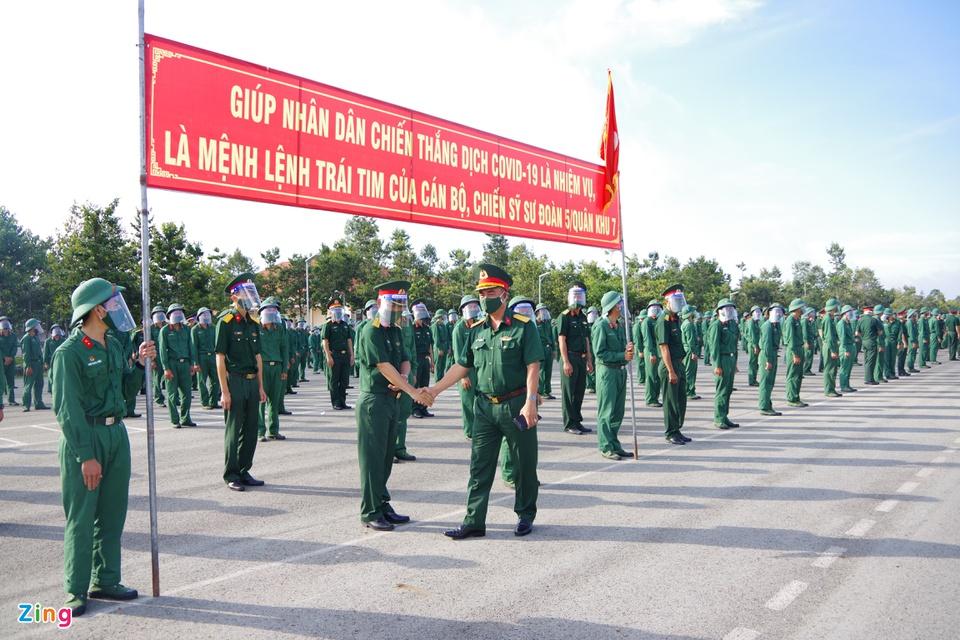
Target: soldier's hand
[
  {"x": 330, "y": 361},
  {"x": 796, "y": 359},
  {"x": 653, "y": 359},
  {"x": 46, "y": 367},
  {"x": 168, "y": 374},
  {"x": 194, "y": 369},
  {"x": 424, "y": 396},
  {"x": 226, "y": 400},
  {"x": 756, "y": 350},
  {"x": 283, "y": 376},
  {"x": 768, "y": 366},
  {"x": 672, "y": 377},
  {"x": 589, "y": 366},
  {"x": 693, "y": 357},
  {"x": 7, "y": 360},
  {"x": 465, "y": 383},
  {"x": 263, "y": 395},
  {"x": 29, "y": 371},
  {"x": 148, "y": 349},
  {"x": 529, "y": 412},
  {"x": 92, "y": 473},
  {"x": 718, "y": 372},
  {"x": 567, "y": 368},
  {"x": 834, "y": 356},
  {"x": 353, "y": 362},
  {"x": 1, "y": 414}
]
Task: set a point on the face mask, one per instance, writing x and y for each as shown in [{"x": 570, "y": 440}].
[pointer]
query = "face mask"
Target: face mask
[
  {"x": 471, "y": 311},
  {"x": 676, "y": 302},
  {"x": 176, "y": 317},
  {"x": 543, "y": 315},
  {"x": 159, "y": 317},
  {"x": 757, "y": 314},
  {"x": 336, "y": 314},
  {"x": 776, "y": 315},
  {"x": 204, "y": 318},
  {"x": 247, "y": 296},
  {"x": 653, "y": 311},
  {"x": 577, "y": 297},
  {"x": 118, "y": 316},
  {"x": 523, "y": 309},
  {"x": 270, "y": 315},
  {"x": 491, "y": 305},
  {"x": 592, "y": 317},
  {"x": 392, "y": 307}
]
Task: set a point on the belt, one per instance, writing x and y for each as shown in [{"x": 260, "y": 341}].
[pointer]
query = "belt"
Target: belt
[
  {"x": 272, "y": 362},
  {"x": 506, "y": 396},
  {"x": 245, "y": 376},
  {"x": 181, "y": 359},
  {"x": 208, "y": 353},
  {"x": 582, "y": 354},
  {"x": 613, "y": 366},
  {"x": 103, "y": 421},
  {"x": 728, "y": 354}
]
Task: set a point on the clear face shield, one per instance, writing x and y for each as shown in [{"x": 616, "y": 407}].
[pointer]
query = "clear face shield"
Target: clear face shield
[
  {"x": 270, "y": 315},
  {"x": 776, "y": 315},
  {"x": 524, "y": 309},
  {"x": 757, "y": 314},
  {"x": 371, "y": 313},
  {"x": 6, "y": 326},
  {"x": 676, "y": 301},
  {"x": 177, "y": 317},
  {"x": 336, "y": 314},
  {"x": 850, "y": 315},
  {"x": 118, "y": 313},
  {"x": 576, "y": 297},
  {"x": 159, "y": 317},
  {"x": 301, "y": 324},
  {"x": 592, "y": 316},
  {"x": 247, "y": 296},
  {"x": 392, "y": 306},
  {"x": 452, "y": 318},
  {"x": 472, "y": 311},
  {"x": 420, "y": 312},
  {"x": 653, "y": 311},
  {"x": 205, "y": 319},
  {"x": 543, "y": 315},
  {"x": 56, "y": 332},
  {"x": 727, "y": 314}
]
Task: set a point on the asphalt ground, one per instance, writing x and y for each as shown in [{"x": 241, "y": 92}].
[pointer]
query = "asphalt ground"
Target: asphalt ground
[{"x": 839, "y": 520}]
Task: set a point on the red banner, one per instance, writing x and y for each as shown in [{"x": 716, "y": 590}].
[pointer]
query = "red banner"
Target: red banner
[{"x": 224, "y": 127}]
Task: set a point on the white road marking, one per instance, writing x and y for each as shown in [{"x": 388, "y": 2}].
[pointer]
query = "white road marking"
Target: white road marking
[
  {"x": 13, "y": 443},
  {"x": 908, "y": 487},
  {"x": 957, "y": 440},
  {"x": 786, "y": 595},
  {"x": 828, "y": 557},
  {"x": 45, "y": 428},
  {"x": 923, "y": 473},
  {"x": 742, "y": 633},
  {"x": 939, "y": 459},
  {"x": 887, "y": 506},
  {"x": 861, "y": 528}
]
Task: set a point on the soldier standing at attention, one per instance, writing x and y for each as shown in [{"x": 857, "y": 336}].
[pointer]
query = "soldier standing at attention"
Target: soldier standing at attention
[
  {"x": 460, "y": 344},
  {"x": 32, "y": 365},
  {"x": 400, "y": 453},
  {"x": 545, "y": 329},
  {"x": 292, "y": 346},
  {"x": 752, "y": 338},
  {"x": 49, "y": 346},
  {"x": 593, "y": 315},
  {"x": 848, "y": 348},
  {"x": 705, "y": 325},
  {"x": 159, "y": 317},
  {"x": 637, "y": 334},
  {"x": 275, "y": 355},
  {"x": 879, "y": 314},
  {"x": 8, "y": 355},
  {"x": 438, "y": 331},
  {"x": 651, "y": 353},
  {"x": 573, "y": 337},
  {"x": 423, "y": 339},
  {"x": 315, "y": 350},
  {"x": 809, "y": 332},
  {"x": 94, "y": 448},
  {"x": 870, "y": 333},
  {"x": 614, "y": 352},
  {"x": 935, "y": 324},
  {"x": 792, "y": 336},
  {"x": 693, "y": 342},
  {"x": 338, "y": 351},
  {"x": 902, "y": 346},
  {"x": 951, "y": 326},
  {"x": 178, "y": 366},
  {"x": 672, "y": 374},
  {"x": 913, "y": 340},
  {"x": 240, "y": 369},
  {"x": 506, "y": 352},
  {"x": 830, "y": 349},
  {"x": 722, "y": 345},
  {"x": 384, "y": 365},
  {"x": 204, "y": 336},
  {"x": 923, "y": 324},
  {"x": 768, "y": 358}
]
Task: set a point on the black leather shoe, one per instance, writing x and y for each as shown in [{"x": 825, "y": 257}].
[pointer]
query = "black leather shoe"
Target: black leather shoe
[
  {"x": 189, "y": 423},
  {"x": 263, "y": 438},
  {"x": 277, "y": 436},
  {"x": 721, "y": 425},
  {"x": 523, "y": 528},
  {"x": 550, "y": 396},
  {"x": 134, "y": 415},
  {"x": 345, "y": 407},
  {"x": 417, "y": 414},
  {"x": 684, "y": 438},
  {"x": 732, "y": 425},
  {"x": 676, "y": 440},
  {"x": 770, "y": 412},
  {"x": 655, "y": 405},
  {"x": 235, "y": 486},
  {"x": 462, "y": 532},
  {"x": 574, "y": 430},
  {"x": 584, "y": 429},
  {"x": 380, "y": 524},
  {"x": 694, "y": 397},
  {"x": 872, "y": 384},
  {"x": 336, "y": 407},
  {"x": 285, "y": 413},
  {"x": 427, "y": 414},
  {"x": 404, "y": 456},
  {"x": 250, "y": 481},
  {"x": 393, "y": 517},
  {"x": 176, "y": 426}
]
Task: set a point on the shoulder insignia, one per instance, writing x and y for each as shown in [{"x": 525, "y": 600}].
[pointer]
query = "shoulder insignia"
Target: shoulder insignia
[
  {"x": 375, "y": 322},
  {"x": 565, "y": 312},
  {"x": 87, "y": 342},
  {"x": 227, "y": 318},
  {"x": 255, "y": 320},
  {"x": 523, "y": 319}
]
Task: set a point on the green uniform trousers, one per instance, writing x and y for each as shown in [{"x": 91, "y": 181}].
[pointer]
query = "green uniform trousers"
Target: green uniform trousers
[
  {"x": 922, "y": 352},
  {"x": 830, "y": 375},
  {"x": 808, "y": 361},
  {"x": 823, "y": 359},
  {"x": 10, "y": 372},
  {"x": 952, "y": 346},
  {"x": 641, "y": 369},
  {"x": 179, "y": 394},
  {"x": 33, "y": 384},
  {"x": 724, "y": 387},
  {"x": 240, "y": 436},
  {"x": 546, "y": 375},
  {"x": 207, "y": 381},
  {"x": 869, "y": 362},
  {"x": 376, "y": 437},
  {"x": 439, "y": 365},
  {"x": 403, "y": 415},
  {"x": 793, "y": 379},
  {"x": 934, "y": 346},
  {"x": 317, "y": 355},
  {"x": 132, "y": 383},
  {"x": 303, "y": 366},
  {"x": 651, "y": 388},
  {"x": 890, "y": 360},
  {"x": 901, "y": 361},
  {"x": 674, "y": 398},
  {"x": 494, "y": 422},
  {"x": 268, "y": 418},
  {"x": 753, "y": 364},
  {"x": 611, "y": 401},
  {"x": 573, "y": 387},
  {"x": 911, "y": 358},
  {"x": 158, "y": 384},
  {"x": 880, "y": 364},
  {"x": 690, "y": 367},
  {"x": 766, "y": 380},
  {"x": 591, "y": 383},
  {"x": 423, "y": 378},
  {"x": 338, "y": 377},
  {"x": 467, "y": 399},
  {"x": 94, "y": 519},
  {"x": 846, "y": 366}
]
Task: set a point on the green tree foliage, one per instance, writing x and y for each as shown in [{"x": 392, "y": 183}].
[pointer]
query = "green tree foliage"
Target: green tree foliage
[{"x": 23, "y": 261}]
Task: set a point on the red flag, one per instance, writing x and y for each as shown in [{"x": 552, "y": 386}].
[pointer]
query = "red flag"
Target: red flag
[{"x": 610, "y": 149}]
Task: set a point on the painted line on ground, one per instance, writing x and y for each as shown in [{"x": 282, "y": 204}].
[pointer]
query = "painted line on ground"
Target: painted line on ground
[
  {"x": 887, "y": 506},
  {"x": 742, "y": 633},
  {"x": 13, "y": 443},
  {"x": 828, "y": 557},
  {"x": 861, "y": 528},
  {"x": 786, "y": 595},
  {"x": 923, "y": 473},
  {"x": 939, "y": 460},
  {"x": 908, "y": 487}
]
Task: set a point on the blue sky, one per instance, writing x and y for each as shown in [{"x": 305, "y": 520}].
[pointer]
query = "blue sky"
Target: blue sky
[{"x": 751, "y": 131}]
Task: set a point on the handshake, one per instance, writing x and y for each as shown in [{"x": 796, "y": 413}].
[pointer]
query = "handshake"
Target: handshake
[{"x": 425, "y": 396}]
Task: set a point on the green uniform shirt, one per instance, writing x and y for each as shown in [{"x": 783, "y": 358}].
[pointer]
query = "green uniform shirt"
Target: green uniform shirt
[
  {"x": 831, "y": 339},
  {"x": 274, "y": 346},
  {"x": 546, "y": 338},
  {"x": 575, "y": 329},
  {"x": 667, "y": 331},
  {"x": 204, "y": 341},
  {"x": 501, "y": 356},
  {"x": 175, "y": 345},
  {"x": 723, "y": 340},
  {"x": 462, "y": 339},
  {"x": 315, "y": 341},
  {"x": 441, "y": 340},
  {"x": 609, "y": 343},
  {"x": 379, "y": 344},
  {"x": 845, "y": 332},
  {"x": 409, "y": 347},
  {"x": 809, "y": 333},
  {"x": 238, "y": 338},
  {"x": 769, "y": 340},
  {"x": 792, "y": 336},
  {"x": 87, "y": 382},
  {"x": 8, "y": 346},
  {"x": 870, "y": 329},
  {"x": 48, "y": 348},
  {"x": 690, "y": 337},
  {"x": 337, "y": 333},
  {"x": 31, "y": 349}
]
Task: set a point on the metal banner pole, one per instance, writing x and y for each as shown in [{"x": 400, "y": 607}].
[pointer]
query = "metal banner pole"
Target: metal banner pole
[
  {"x": 628, "y": 328},
  {"x": 145, "y": 277}
]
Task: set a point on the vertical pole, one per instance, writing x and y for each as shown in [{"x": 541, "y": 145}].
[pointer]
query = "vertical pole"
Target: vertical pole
[
  {"x": 629, "y": 330},
  {"x": 145, "y": 299},
  {"x": 307, "y": 314}
]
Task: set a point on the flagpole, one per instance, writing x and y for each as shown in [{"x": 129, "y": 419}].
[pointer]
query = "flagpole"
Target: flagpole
[
  {"x": 145, "y": 299},
  {"x": 628, "y": 328}
]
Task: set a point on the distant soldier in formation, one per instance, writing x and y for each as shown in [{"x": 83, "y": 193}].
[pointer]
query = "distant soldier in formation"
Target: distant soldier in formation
[
  {"x": 400, "y": 452},
  {"x": 880, "y": 314},
  {"x": 870, "y": 334},
  {"x": 423, "y": 340},
  {"x": 904, "y": 345},
  {"x": 721, "y": 343},
  {"x": 692, "y": 345},
  {"x": 614, "y": 352},
  {"x": 809, "y": 332},
  {"x": 845, "y": 327},
  {"x": 792, "y": 336},
  {"x": 57, "y": 336},
  {"x": 751, "y": 340},
  {"x": 204, "y": 354},
  {"x": 545, "y": 329},
  {"x": 936, "y": 330},
  {"x": 316, "y": 352},
  {"x": 593, "y": 315},
  {"x": 672, "y": 373},
  {"x": 441, "y": 343},
  {"x": 573, "y": 337},
  {"x": 8, "y": 355},
  {"x": 158, "y": 319},
  {"x": 768, "y": 358},
  {"x": 951, "y": 325},
  {"x": 176, "y": 358},
  {"x": 32, "y": 351},
  {"x": 461, "y": 342},
  {"x": 275, "y": 356},
  {"x": 452, "y": 318},
  {"x": 338, "y": 352},
  {"x": 923, "y": 330},
  {"x": 830, "y": 349},
  {"x": 651, "y": 353}
]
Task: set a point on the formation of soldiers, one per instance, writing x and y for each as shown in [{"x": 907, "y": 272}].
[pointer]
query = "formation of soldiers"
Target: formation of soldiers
[{"x": 497, "y": 349}]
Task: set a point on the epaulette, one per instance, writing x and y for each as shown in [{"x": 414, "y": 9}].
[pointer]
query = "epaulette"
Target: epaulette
[
  {"x": 565, "y": 312},
  {"x": 255, "y": 320},
  {"x": 523, "y": 319},
  {"x": 376, "y": 323},
  {"x": 227, "y": 317}
]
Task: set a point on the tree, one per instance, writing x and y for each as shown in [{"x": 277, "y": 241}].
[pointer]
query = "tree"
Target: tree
[
  {"x": 496, "y": 249},
  {"x": 23, "y": 259},
  {"x": 176, "y": 263}
]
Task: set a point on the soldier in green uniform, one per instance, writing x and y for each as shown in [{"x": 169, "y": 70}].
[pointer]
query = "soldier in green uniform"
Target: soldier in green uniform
[
  {"x": 951, "y": 325},
  {"x": 506, "y": 353},
  {"x": 752, "y": 340},
  {"x": 808, "y": 325},
  {"x": 848, "y": 350},
  {"x": 613, "y": 352},
  {"x": 400, "y": 453},
  {"x": 8, "y": 355},
  {"x": 176, "y": 358},
  {"x": 441, "y": 343},
  {"x": 870, "y": 333},
  {"x": 522, "y": 307},
  {"x": 593, "y": 315},
  {"x": 384, "y": 366},
  {"x": 830, "y": 349},
  {"x": 821, "y": 319},
  {"x": 555, "y": 325},
  {"x": 692, "y": 345},
  {"x": 651, "y": 353},
  {"x": 50, "y": 345},
  {"x": 721, "y": 344},
  {"x": 203, "y": 337},
  {"x": 303, "y": 349},
  {"x": 240, "y": 369},
  {"x": 315, "y": 349},
  {"x": 338, "y": 352},
  {"x": 159, "y": 318},
  {"x": 134, "y": 372},
  {"x": 369, "y": 313},
  {"x": 912, "y": 332},
  {"x": 545, "y": 330},
  {"x": 423, "y": 340},
  {"x": 292, "y": 344},
  {"x": 452, "y": 318},
  {"x": 857, "y": 338},
  {"x": 275, "y": 355},
  {"x": 768, "y": 358},
  {"x": 903, "y": 346},
  {"x": 878, "y": 371},
  {"x": 705, "y": 323},
  {"x": 637, "y": 335},
  {"x": 891, "y": 331},
  {"x": 672, "y": 373},
  {"x": 32, "y": 351},
  {"x": 573, "y": 337},
  {"x": 924, "y": 323},
  {"x": 935, "y": 329},
  {"x": 792, "y": 336},
  {"x": 94, "y": 449},
  {"x": 460, "y": 344}
]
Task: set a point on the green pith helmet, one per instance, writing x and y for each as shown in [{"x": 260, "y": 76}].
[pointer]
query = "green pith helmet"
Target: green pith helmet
[
  {"x": 832, "y": 304},
  {"x": 724, "y": 302},
  {"x": 654, "y": 301},
  {"x": 467, "y": 299},
  {"x": 368, "y": 304},
  {"x": 796, "y": 303},
  {"x": 270, "y": 301},
  {"x": 515, "y": 300},
  {"x": 176, "y": 306},
  {"x": 609, "y": 300},
  {"x": 158, "y": 309},
  {"x": 89, "y": 294},
  {"x": 202, "y": 310},
  {"x": 846, "y": 308},
  {"x": 30, "y": 324},
  {"x": 774, "y": 305}
]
